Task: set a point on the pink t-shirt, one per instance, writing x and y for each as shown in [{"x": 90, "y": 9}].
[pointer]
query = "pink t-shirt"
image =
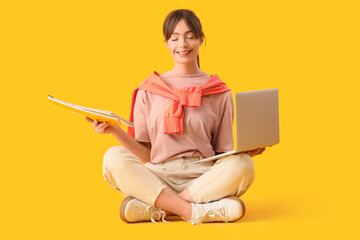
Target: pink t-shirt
[{"x": 207, "y": 129}]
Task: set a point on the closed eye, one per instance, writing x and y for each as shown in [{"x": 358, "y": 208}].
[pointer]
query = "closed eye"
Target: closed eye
[{"x": 187, "y": 38}]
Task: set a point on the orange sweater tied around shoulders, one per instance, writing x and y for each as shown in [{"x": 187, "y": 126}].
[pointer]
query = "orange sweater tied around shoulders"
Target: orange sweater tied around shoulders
[{"x": 182, "y": 97}]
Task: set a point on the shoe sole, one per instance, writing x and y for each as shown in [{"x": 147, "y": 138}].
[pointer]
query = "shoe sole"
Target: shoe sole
[
  {"x": 123, "y": 206},
  {"x": 242, "y": 206}
]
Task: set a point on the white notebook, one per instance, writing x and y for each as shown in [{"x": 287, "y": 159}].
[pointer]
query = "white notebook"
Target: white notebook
[{"x": 92, "y": 113}]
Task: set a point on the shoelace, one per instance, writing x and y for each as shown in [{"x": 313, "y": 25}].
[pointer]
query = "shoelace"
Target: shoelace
[
  {"x": 156, "y": 213},
  {"x": 211, "y": 214}
]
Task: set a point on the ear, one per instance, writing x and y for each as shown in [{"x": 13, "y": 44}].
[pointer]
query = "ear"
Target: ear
[{"x": 166, "y": 43}]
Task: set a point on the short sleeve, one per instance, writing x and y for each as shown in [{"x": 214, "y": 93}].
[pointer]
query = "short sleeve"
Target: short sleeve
[
  {"x": 140, "y": 126},
  {"x": 222, "y": 140}
]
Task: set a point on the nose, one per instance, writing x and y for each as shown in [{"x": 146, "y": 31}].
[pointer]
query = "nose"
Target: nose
[{"x": 182, "y": 43}]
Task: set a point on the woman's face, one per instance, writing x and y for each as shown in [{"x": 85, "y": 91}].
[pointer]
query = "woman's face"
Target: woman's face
[{"x": 183, "y": 45}]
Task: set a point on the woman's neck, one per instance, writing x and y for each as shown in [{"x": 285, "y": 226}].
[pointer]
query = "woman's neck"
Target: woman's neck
[{"x": 182, "y": 69}]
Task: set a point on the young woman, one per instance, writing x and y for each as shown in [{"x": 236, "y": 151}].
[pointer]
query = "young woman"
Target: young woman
[{"x": 179, "y": 117}]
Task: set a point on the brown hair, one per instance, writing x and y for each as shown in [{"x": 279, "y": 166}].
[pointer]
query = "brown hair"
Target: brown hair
[{"x": 191, "y": 20}]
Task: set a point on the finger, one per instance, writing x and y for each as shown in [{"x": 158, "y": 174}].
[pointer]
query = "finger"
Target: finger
[
  {"x": 95, "y": 123},
  {"x": 254, "y": 152},
  {"x": 261, "y": 150},
  {"x": 102, "y": 126},
  {"x": 99, "y": 126},
  {"x": 89, "y": 119},
  {"x": 103, "y": 129}
]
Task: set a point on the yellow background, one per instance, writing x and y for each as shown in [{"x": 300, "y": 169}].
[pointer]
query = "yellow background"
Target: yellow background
[{"x": 94, "y": 53}]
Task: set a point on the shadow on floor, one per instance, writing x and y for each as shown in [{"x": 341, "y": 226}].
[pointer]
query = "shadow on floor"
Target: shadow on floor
[
  {"x": 270, "y": 210},
  {"x": 260, "y": 211},
  {"x": 266, "y": 210}
]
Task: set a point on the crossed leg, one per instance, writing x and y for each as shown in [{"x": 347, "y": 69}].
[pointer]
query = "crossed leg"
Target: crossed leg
[{"x": 230, "y": 176}]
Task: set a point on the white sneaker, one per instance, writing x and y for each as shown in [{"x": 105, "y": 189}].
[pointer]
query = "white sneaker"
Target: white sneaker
[
  {"x": 134, "y": 210},
  {"x": 225, "y": 210}
]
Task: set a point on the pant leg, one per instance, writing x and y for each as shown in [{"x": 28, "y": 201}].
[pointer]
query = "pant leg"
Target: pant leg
[
  {"x": 229, "y": 176},
  {"x": 127, "y": 174}
]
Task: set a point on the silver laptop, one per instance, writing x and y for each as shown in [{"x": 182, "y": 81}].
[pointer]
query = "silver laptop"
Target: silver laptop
[{"x": 257, "y": 121}]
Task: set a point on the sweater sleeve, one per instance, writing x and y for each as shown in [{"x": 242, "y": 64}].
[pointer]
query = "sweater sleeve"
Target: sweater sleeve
[
  {"x": 140, "y": 124},
  {"x": 222, "y": 140}
]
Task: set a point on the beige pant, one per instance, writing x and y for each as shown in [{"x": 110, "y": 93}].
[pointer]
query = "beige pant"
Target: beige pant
[{"x": 229, "y": 176}]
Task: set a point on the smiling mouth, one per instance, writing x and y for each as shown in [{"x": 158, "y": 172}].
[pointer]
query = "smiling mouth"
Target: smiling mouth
[{"x": 183, "y": 53}]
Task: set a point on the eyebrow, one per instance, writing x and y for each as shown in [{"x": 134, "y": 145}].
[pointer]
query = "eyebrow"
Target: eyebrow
[{"x": 184, "y": 33}]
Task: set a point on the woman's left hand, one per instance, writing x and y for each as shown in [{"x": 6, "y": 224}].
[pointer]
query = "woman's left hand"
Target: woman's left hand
[{"x": 255, "y": 152}]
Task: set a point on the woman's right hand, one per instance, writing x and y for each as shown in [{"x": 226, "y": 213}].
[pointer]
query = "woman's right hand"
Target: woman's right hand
[{"x": 101, "y": 127}]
